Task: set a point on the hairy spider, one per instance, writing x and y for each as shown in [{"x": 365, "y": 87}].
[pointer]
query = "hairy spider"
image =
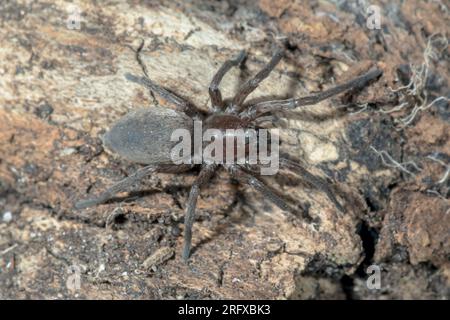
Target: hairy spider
[{"x": 144, "y": 136}]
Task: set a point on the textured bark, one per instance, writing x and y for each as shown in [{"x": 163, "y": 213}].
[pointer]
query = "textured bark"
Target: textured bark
[{"x": 62, "y": 88}]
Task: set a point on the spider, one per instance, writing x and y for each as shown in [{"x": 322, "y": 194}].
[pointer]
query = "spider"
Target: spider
[{"x": 143, "y": 135}]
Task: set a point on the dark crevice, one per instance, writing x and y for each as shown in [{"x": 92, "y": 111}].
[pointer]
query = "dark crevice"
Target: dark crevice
[
  {"x": 369, "y": 237},
  {"x": 347, "y": 286},
  {"x": 371, "y": 204}
]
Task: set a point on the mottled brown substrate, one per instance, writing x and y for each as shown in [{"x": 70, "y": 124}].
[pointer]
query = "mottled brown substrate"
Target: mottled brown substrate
[{"x": 61, "y": 89}]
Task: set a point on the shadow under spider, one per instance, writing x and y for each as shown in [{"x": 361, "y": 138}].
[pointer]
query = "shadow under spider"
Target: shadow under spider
[
  {"x": 239, "y": 202},
  {"x": 174, "y": 190}
]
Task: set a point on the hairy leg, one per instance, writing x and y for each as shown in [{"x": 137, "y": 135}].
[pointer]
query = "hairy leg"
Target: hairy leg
[
  {"x": 203, "y": 177},
  {"x": 139, "y": 59},
  {"x": 316, "y": 182},
  {"x": 253, "y": 83},
  {"x": 261, "y": 108},
  {"x": 181, "y": 104},
  {"x": 119, "y": 186},
  {"x": 214, "y": 91},
  {"x": 247, "y": 178}
]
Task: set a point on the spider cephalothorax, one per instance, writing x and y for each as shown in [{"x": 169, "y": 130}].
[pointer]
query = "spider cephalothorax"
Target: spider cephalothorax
[{"x": 144, "y": 136}]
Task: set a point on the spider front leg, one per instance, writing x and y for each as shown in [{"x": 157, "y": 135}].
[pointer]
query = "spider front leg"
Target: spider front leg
[
  {"x": 181, "y": 104},
  {"x": 261, "y": 108},
  {"x": 119, "y": 186},
  {"x": 253, "y": 83},
  {"x": 203, "y": 177},
  {"x": 214, "y": 91}
]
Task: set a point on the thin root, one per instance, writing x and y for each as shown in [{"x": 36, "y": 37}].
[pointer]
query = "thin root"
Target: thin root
[
  {"x": 395, "y": 164},
  {"x": 415, "y": 90},
  {"x": 447, "y": 171}
]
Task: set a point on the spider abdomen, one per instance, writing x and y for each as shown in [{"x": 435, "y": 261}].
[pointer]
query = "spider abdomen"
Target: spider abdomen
[{"x": 144, "y": 135}]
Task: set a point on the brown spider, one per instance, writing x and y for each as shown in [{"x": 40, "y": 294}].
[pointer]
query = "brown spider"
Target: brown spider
[{"x": 144, "y": 136}]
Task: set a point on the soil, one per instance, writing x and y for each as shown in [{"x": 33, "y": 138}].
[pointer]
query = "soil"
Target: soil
[{"x": 387, "y": 150}]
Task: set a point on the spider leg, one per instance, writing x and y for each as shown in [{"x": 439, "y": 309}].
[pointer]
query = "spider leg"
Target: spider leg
[
  {"x": 315, "y": 181},
  {"x": 119, "y": 186},
  {"x": 214, "y": 91},
  {"x": 181, "y": 104},
  {"x": 247, "y": 178},
  {"x": 139, "y": 59},
  {"x": 260, "y": 108},
  {"x": 253, "y": 83},
  {"x": 203, "y": 177}
]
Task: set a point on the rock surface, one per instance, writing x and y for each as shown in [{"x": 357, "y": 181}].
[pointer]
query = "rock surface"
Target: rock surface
[{"x": 63, "y": 87}]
